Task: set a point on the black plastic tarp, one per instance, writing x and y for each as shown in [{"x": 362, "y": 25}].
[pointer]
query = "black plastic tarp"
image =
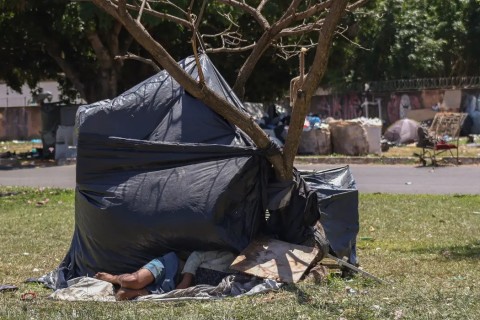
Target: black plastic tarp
[
  {"x": 337, "y": 198},
  {"x": 158, "y": 171}
]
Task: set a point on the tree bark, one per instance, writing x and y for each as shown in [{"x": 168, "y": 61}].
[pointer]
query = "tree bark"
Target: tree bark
[
  {"x": 310, "y": 84},
  {"x": 108, "y": 67}
]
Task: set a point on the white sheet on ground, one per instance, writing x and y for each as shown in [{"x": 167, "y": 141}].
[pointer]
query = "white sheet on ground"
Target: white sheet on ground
[{"x": 91, "y": 289}]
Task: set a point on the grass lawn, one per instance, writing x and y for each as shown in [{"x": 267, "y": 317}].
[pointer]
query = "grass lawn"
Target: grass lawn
[
  {"x": 18, "y": 146},
  {"x": 426, "y": 247},
  {"x": 409, "y": 150}
]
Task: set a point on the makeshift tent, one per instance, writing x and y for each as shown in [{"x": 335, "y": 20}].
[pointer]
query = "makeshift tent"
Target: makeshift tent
[
  {"x": 159, "y": 171},
  {"x": 402, "y": 131}
]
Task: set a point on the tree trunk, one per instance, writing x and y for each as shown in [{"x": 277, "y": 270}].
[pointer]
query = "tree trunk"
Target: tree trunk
[{"x": 304, "y": 94}]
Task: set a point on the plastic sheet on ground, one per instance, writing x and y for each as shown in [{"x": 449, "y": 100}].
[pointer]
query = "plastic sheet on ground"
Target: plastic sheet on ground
[{"x": 91, "y": 289}]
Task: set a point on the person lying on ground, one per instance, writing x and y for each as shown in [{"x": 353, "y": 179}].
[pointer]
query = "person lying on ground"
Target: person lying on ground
[
  {"x": 162, "y": 274},
  {"x": 206, "y": 267}
]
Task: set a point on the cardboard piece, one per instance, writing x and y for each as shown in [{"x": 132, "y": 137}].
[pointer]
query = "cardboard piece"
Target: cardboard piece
[
  {"x": 452, "y": 99},
  {"x": 421, "y": 114},
  {"x": 275, "y": 259}
]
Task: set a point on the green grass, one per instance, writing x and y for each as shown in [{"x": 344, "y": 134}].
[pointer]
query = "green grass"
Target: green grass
[
  {"x": 18, "y": 146},
  {"x": 409, "y": 150},
  {"x": 426, "y": 247}
]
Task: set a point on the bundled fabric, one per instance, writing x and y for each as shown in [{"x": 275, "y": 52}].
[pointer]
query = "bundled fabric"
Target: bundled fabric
[
  {"x": 91, "y": 289},
  {"x": 402, "y": 131}
]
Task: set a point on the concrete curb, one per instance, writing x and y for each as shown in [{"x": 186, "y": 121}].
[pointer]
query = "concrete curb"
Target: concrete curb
[
  {"x": 380, "y": 160},
  {"x": 6, "y": 164}
]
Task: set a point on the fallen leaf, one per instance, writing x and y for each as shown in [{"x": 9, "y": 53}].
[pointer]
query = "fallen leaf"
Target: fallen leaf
[
  {"x": 398, "y": 314},
  {"x": 42, "y": 203}
]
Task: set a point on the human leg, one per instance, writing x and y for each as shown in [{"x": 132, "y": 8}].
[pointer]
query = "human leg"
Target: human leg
[
  {"x": 187, "y": 281},
  {"x": 127, "y": 294},
  {"x": 136, "y": 280}
]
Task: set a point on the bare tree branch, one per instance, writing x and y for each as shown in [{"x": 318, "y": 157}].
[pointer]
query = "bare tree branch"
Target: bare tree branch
[
  {"x": 262, "y": 44},
  {"x": 140, "y": 12},
  {"x": 261, "y": 5},
  {"x": 319, "y": 7},
  {"x": 131, "y": 56},
  {"x": 287, "y": 51},
  {"x": 301, "y": 29},
  {"x": 194, "y": 42},
  {"x": 356, "y": 5},
  {"x": 161, "y": 15},
  {"x": 231, "y": 40},
  {"x": 200, "y": 15},
  {"x": 170, "y": 3},
  {"x": 231, "y": 50},
  {"x": 288, "y": 16},
  {"x": 341, "y": 33},
  {"x": 261, "y": 20}
]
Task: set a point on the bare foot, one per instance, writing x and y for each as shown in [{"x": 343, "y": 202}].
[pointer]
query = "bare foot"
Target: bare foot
[
  {"x": 127, "y": 294},
  {"x": 186, "y": 282},
  {"x": 107, "y": 277}
]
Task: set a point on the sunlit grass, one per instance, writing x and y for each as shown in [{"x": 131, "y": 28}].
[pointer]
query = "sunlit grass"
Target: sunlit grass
[{"x": 427, "y": 249}]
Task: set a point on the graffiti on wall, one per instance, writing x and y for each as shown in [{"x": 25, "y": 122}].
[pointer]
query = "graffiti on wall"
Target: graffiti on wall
[
  {"x": 393, "y": 105},
  {"x": 471, "y": 106},
  {"x": 19, "y": 123},
  {"x": 347, "y": 106},
  {"x": 399, "y": 104}
]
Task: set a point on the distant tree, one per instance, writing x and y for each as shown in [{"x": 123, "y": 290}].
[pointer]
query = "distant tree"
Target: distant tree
[
  {"x": 471, "y": 44},
  {"x": 75, "y": 43},
  {"x": 403, "y": 39},
  {"x": 85, "y": 49}
]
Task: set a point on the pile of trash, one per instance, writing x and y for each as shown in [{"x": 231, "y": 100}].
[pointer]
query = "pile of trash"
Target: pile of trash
[
  {"x": 12, "y": 158},
  {"x": 354, "y": 137}
]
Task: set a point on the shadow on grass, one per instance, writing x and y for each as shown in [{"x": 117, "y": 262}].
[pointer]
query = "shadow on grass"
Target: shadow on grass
[
  {"x": 464, "y": 252},
  {"x": 302, "y": 296}
]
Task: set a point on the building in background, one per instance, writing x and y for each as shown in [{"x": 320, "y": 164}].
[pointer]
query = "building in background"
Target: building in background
[{"x": 20, "y": 115}]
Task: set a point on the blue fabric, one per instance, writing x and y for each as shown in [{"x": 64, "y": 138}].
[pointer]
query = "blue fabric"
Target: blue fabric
[{"x": 164, "y": 270}]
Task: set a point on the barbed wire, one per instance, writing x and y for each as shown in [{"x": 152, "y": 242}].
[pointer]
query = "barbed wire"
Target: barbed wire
[{"x": 422, "y": 83}]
